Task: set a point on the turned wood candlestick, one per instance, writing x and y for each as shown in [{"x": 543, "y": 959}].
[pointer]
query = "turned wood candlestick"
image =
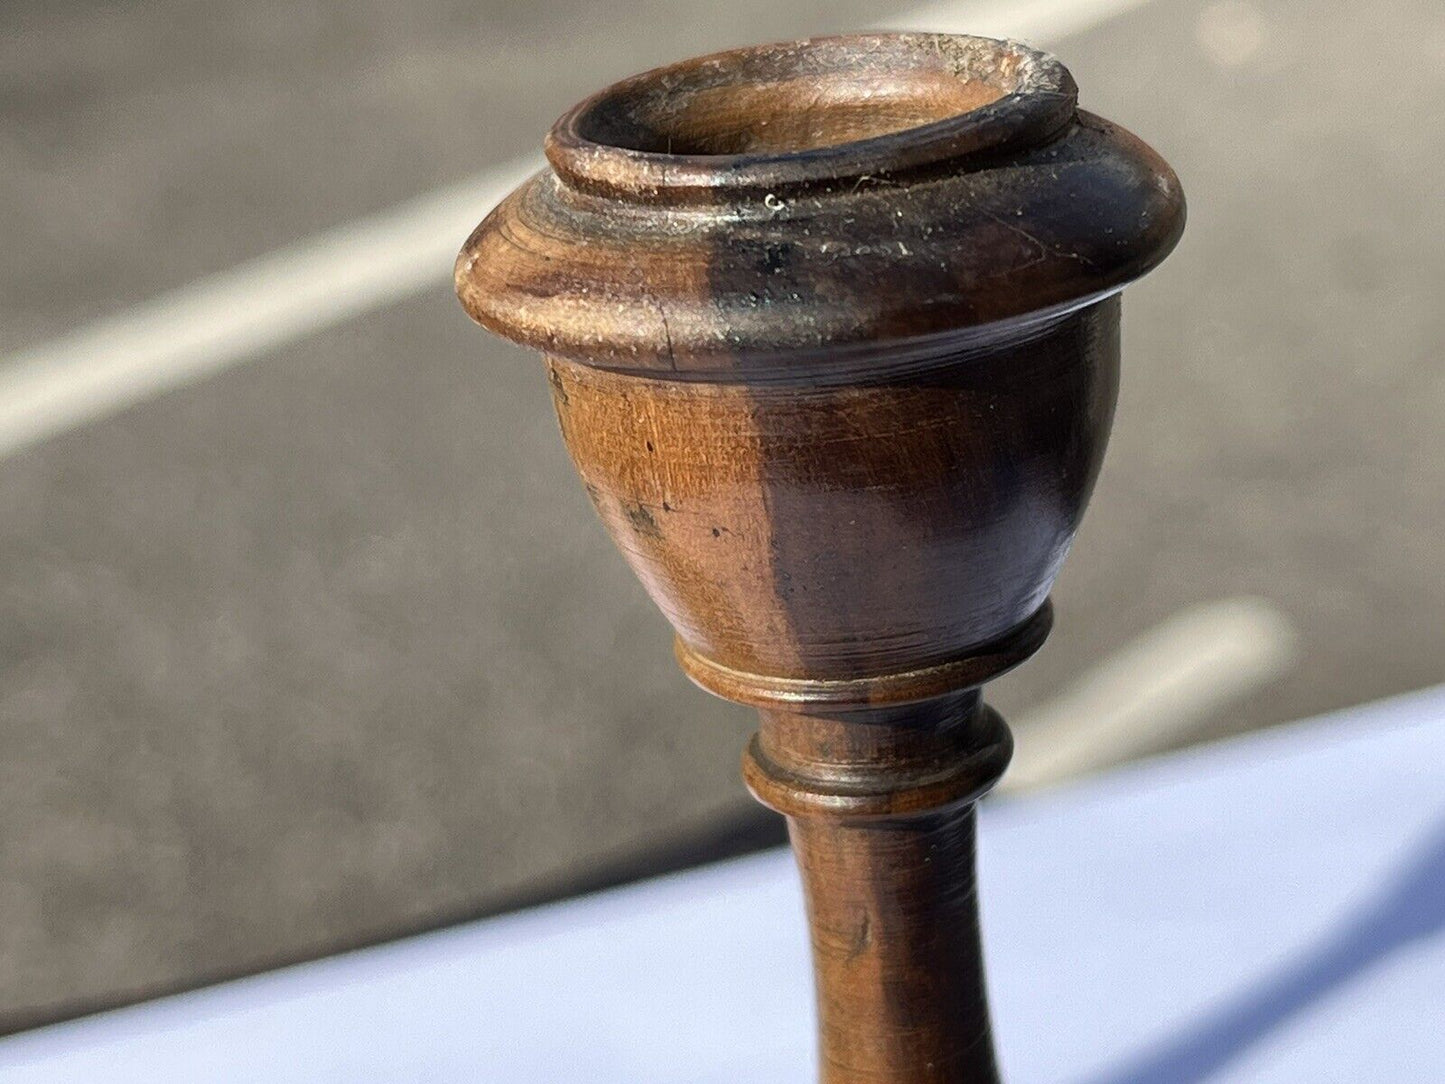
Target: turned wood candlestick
[{"x": 832, "y": 334}]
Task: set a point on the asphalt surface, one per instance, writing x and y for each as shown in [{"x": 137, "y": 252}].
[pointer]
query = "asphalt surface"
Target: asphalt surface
[{"x": 329, "y": 645}]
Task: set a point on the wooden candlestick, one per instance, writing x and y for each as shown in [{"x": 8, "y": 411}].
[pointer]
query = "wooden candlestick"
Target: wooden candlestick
[{"x": 832, "y": 334}]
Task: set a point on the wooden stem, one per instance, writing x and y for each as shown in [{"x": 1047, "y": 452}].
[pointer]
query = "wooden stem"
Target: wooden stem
[
  {"x": 900, "y": 996},
  {"x": 880, "y": 807}
]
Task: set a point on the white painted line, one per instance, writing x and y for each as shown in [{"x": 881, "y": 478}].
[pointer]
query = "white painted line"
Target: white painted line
[
  {"x": 192, "y": 332},
  {"x": 218, "y": 321},
  {"x": 1034, "y": 21},
  {"x": 1154, "y": 692}
]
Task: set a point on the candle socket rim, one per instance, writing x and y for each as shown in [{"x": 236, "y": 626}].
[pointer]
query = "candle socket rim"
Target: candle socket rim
[{"x": 634, "y": 141}]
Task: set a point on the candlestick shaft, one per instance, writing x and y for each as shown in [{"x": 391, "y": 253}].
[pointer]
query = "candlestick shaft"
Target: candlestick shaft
[
  {"x": 881, "y": 816},
  {"x": 896, "y": 953}
]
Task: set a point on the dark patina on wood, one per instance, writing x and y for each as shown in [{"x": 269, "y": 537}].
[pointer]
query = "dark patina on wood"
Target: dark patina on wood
[{"x": 832, "y": 333}]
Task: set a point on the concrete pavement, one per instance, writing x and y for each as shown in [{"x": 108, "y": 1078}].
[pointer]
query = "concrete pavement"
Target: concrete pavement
[{"x": 329, "y": 645}]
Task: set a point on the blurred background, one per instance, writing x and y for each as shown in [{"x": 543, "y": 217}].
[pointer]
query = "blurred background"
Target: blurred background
[{"x": 307, "y": 635}]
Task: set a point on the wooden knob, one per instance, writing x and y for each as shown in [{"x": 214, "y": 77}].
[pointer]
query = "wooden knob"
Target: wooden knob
[{"x": 832, "y": 333}]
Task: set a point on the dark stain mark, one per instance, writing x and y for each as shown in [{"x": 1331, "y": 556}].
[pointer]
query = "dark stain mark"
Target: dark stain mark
[
  {"x": 650, "y": 448},
  {"x": 783, "y": 581},
  {"x": 776, "y": 257},
  {"x": 862, "y": 938},
  {"x": 641, "y": 519},
  {"x": 666, "y": 507}
]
